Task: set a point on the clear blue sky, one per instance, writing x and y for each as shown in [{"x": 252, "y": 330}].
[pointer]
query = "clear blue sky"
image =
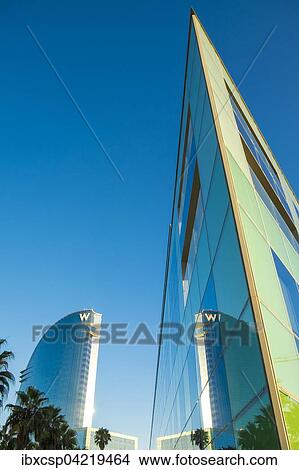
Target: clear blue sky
[{"x": 72, "y": 233}]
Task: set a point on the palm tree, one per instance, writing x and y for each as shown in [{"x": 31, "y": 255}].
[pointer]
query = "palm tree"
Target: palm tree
[
  {"x": 7, "y": 442},
  {"x": 33, "y": 424},
  {"x": 68, "y": 437},
  {"x": 260, "y": 433},
  {"x": 6, "y": 377},
  {"x": 102, "y": 438},
  {"x": 200, "y": 438},
  {"x": 48, "y": 437},
  {"x": 56, "y": 433},
  {"x": 26, "y": 419}
]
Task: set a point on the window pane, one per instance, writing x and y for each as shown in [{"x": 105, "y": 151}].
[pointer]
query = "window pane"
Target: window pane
[{"x": 290, "y": 292}]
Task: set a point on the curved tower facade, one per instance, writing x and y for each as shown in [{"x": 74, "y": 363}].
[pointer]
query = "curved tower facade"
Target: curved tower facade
[{"x": 64, "y": 365}]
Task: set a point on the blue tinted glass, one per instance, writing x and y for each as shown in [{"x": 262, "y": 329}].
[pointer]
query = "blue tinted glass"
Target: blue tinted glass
[
  {"x": 63, "y": 349},
  {"x": 189, "y": 175},
  {"x": 273, "y": 210},
  {"x": 290, "y": 292},
  {"x": 206, "y": 155},
  {"x": 230, "y": 282},
  {"x": 184, "y": 173},
  {"x": 255, "y": 428},
  {"x": 209, "y": 301},
  {"x": 216, "y": 385},
  {"x": 259, "y": 155},
  {"x": 203, "y": 260},
  {"x": 217, "y": 205}
]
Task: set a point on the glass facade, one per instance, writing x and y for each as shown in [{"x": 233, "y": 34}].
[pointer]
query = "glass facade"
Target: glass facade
[
  {"x": 230, "y": 279},
  {"x": 64, "y": 363}
]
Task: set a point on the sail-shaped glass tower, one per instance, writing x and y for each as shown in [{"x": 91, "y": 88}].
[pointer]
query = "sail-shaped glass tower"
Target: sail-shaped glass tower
[
  {"x": 64, "y": 364},
  {"x": 231, "y": 276}
]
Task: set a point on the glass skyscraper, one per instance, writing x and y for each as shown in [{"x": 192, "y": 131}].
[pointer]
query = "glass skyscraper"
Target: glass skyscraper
[
  {"x": 231, "y": 276},
  {"x": 64, "y": 364}
]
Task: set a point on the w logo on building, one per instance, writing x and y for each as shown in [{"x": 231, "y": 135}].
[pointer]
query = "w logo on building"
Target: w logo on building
[
  {"x": 209, "y": 316},
  {"x": 84, "y": 316}
]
